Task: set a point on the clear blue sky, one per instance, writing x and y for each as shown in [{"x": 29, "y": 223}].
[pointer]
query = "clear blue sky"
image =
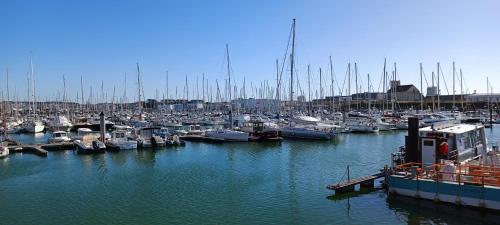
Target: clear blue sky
[{"x": 102, "y": 40}]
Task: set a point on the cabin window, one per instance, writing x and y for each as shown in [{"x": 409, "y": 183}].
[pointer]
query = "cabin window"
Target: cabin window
[
  {"x": 428, "y": 143},
  {"x": 478, "y": 137},
  {"x": 467, "y": 140}
]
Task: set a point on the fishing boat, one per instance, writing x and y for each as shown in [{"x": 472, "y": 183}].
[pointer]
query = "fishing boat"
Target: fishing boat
[
  {"x": 447, "y": 162},
  {"x": 59, "y": 136},
  {"x": 121, "y": 140}
]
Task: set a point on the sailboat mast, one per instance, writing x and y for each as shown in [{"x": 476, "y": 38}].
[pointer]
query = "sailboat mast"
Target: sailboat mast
[
  {"x": 139, "y": 90},
  {"x": 421, "y": 89},
  {"x": 33, "y": 81},
  {"x": 384, "y": 86},
  {"x": 332, "y": 88},
  {"x": 309, "y": 88},
  {"x": 453, "y": 109},
  {"x": 320, "y": 84},
  {"x": 461, "y": 91},
  {"x": 433, "y": 105},
  {"x": 292, "y": 61},
  {"x": 368, "y": 94},
  {"x": 228, "y": 71},
  {"x": 438, "y": 89}
]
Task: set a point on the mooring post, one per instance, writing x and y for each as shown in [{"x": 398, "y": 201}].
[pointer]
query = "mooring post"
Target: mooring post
[
  {"x": 348, "y": 176},
  {"x": 103, "y": 126}
]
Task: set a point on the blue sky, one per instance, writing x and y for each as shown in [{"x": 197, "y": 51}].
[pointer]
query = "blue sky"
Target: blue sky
[{"x": 103, "y": 40}]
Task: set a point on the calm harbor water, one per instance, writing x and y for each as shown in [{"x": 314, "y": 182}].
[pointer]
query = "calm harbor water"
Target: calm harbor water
[{"x": 234, "y": 183}]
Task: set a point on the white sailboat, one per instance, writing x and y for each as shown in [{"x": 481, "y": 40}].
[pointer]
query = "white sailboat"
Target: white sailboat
[{"x": 33, "y": 123}]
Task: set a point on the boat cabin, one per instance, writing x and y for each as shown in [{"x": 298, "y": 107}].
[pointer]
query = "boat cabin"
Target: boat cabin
[
  {"x": 59, "y": 134},
  {"x": 449, "y": 141}
]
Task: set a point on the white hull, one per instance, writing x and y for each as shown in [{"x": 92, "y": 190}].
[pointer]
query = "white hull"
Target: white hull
[
  {"x": 125, "y": 145},
  {"x": 304, "y": 133},
  {"x": 228, "y": 135},
  {"x": 476, "y": 202},
  {"x": 364, "y": 129},
  {"x": 34, "y": 128},
  {"x": 4, "y": 151}
]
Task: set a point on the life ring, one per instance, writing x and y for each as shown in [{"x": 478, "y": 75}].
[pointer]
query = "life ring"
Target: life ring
[{"x": 443, "y": 148}]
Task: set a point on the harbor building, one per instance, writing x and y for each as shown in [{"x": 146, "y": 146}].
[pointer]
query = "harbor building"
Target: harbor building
[{"x": 403, "y": 93}]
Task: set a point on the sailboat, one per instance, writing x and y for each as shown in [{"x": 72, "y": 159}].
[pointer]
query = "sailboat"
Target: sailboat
[
  {"x": 228, "y": 134},
  {"x": 33, "y": 124}
]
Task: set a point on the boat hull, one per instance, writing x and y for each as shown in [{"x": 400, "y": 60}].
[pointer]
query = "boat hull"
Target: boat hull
[{"x": 450, "y": 192}]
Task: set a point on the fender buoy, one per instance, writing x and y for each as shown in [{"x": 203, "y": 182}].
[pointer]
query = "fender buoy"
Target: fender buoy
[{"x": 443, "y": 148}]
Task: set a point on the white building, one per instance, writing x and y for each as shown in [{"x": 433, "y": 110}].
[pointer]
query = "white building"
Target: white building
[{"x": 493, "y": 97}]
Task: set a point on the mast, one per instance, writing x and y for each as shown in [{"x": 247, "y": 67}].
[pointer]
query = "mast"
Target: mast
[
  {"x": 277, "y": 83},
  {"x": 228, "y": 72},
  {"x": 309, "y": 88},
  {"x": 453, "y": 108},
  {"x": 438, "y": 89},
  {"x": 139, "y": 91},
  {"x": 422, "y": 90},
  {"x": 166, "y": 83},
  {"x": 384, "y": 86},
  {"x": 369, "y": 95},
  {"x": 187, "y": 88},
  {"x": 332, "y": 89},
  {"x": 349, "y": 85},
  {"x": 8, "y": 92},
  {"x": 356, "y": 82},
  {"x": 320, "y": 84},
  {"x": 33, "y": 81},
  {"x": 7, "y": 81},
  {"x": 292, "y": 61},
  {"x": 461, "y": 91},
  {"x": 203, "y": 88},
  {"x": 433, "y": 93}
]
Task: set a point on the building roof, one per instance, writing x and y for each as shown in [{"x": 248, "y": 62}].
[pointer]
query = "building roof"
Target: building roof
[
  {"x": 457, "y": 129},
  {"x": 402, "y": 88}
]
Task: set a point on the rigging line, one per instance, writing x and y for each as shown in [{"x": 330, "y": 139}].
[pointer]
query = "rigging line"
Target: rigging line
[
  {"x": 343, "y": 85},
  {"x": 425, "y": 78},
  {"x": 380, "y": 83},
  {"x": 284, "y": 60},
  {"x": 444, "y": 80}
]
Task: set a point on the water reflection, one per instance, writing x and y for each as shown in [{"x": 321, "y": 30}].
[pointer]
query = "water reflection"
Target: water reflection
[
  {"x": 145, "y": 157},
  {"x": 118, "y": 157},
  {"x": 423, "y": 211}
]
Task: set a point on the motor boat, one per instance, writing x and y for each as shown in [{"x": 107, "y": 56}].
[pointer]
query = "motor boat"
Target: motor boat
[
  {"x": 88, "y": 142},
  {"x": 121, "y": 140},
  {"x": 59, "y": 136}
]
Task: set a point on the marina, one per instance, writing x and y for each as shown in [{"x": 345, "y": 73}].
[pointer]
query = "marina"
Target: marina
[
  {"x": 244, "y": 179},
  {"x": 249, "y": 112}
]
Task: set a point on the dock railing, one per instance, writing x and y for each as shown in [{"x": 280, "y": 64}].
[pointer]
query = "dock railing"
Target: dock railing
[{"x": 461, "y": 174}]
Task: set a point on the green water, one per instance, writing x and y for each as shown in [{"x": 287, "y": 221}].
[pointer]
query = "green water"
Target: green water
[{"x": 236, "y": 183}]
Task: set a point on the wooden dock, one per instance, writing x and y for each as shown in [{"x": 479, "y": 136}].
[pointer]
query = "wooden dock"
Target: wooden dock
[
  {"x": 40, "y": 149},
  {"x": 348, "y": 185}
]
